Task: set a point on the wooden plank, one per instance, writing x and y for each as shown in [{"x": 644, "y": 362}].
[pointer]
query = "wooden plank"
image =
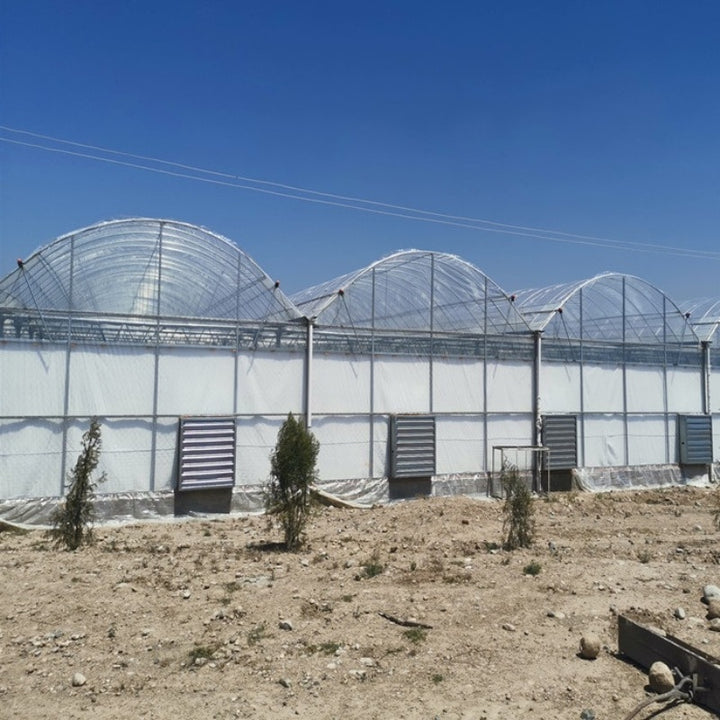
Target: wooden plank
[{"x": 645, "y": 646}]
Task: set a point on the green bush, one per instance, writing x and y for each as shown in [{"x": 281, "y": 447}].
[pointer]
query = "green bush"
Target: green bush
[
  {"x": 292, "y": 472},
  {"x": 519, "y": 523},
  {"x": 72, "y": 519}
]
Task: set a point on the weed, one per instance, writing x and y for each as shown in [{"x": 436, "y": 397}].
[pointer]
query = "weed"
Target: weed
[
  {"x": 415, "y": 634},
  {"x": 644, "y": 556},
  {"x": 532, "y": 568},
  {"x": 257, "y": 634},
  {"x": 437, "y": 678},
  {"x": 491, "y": 546},
  {"x": 347, "y": 598},
  {"x": 204, "y": 652},
  {"x": 373, "y": 567},
  {"x": 326, "y": 648}
]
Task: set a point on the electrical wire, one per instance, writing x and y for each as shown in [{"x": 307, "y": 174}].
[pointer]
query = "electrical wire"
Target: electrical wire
[{"x": 198, "y": 174}]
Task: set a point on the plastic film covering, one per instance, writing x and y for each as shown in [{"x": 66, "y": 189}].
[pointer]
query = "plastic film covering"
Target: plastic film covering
[
  {"x": 600, "y": 479},
  {"x": 414, "y": 290},
  {"x": 704, "y": 316},
  {"x": 106, "y": 281},
  {"x": 610, "y": 308}
]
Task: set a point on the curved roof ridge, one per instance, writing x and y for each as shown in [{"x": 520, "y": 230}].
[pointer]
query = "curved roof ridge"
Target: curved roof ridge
[
  {"x": 459, "y": 290},
  {"x": 319, "y": 297},
  {"x": 120, "y": 266},
  {"x": 540, "y": 306},
  {"x": 707, "y": 310}
]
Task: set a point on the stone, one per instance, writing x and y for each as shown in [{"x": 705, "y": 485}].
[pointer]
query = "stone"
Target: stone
[
  {"x": 680, "y": 613},
  {"x": 285, "y": 625},
  {"x": 660, "y": 677},
  {"x": 509, "y": 627},
  {"x": 589, "y": 646},
  {"x": 715, "y": 625},
  {"x": 78, "y": 679},
  {"x": 710, "y": 592},
  {"x": 713, "y": 609},
  {"x": 285, "y": 682}
]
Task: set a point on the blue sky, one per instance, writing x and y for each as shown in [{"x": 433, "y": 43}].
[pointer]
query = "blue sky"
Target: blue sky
[{"x": 598, "y": 119}]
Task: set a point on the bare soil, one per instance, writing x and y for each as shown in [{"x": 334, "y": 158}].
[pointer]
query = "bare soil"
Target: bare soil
[{"x": 210, "y": 618}]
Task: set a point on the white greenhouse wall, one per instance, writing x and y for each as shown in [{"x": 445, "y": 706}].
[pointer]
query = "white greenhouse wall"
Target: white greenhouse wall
[
  {"x": 255, "y": 441},
  {"x": 126, "y": 454},
  {"x": 457, "y": 385},
  {"x": 645, "y": 390},
  {"x": 517, "y": 429},
  {"x": 195, "y": 382},
  {"x": 33, "y": 467},
  {"x": 32, "y": 379},
  {"x": 685, "y": 390},
  {"x": 604, "y": 440},
  {"x": 341, "y": 384},
  {"x": 603, "y": 388},
  {"x": 560, "y": 388},
  {"x": 402, "y": 385},
  {"x": 647, "y": 441},
  {"x": 344, "y": 446},
  {"x": 460, "y": 444},
  {"x": 715, "y": 391},
  {"x": 270, "y": 383},
  {"x": 509, "y": 387},
  {"x": 112, "y": 379}
]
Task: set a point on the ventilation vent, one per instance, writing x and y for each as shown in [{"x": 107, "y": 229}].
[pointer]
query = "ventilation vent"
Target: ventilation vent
[
  {"x": 412, "y": 446},
  {"x": 559, "y": 435},
  {"x": 207, "y": 453},
  {"x": 696, "y": 444}
]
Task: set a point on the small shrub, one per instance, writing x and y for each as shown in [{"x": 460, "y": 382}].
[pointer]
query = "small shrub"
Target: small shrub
[
  {"x": 373, "y": 566},
  {"x": 437, "y": 678},
  {"x": 415, "y": 634},
  {"x": 532, "y": 568},
  {"x": 644, "y": 556},
  {"x": 257, "y": 634},
  {"x": 519, "y": 524},
  {"x": 292, "y": 472},
  {"x": 72, "y": 519},
  {"x": 204, "y": 652},
  {"x": 329, "y": 648}
]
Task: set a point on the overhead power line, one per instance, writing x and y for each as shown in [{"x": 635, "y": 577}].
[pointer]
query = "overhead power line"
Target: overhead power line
[{"x": 295, "y": 192}]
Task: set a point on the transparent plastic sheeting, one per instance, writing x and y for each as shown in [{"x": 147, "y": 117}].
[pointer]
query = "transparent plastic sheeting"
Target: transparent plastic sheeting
[
  {"x": 641, "y": 477},
  {"x": 608, "y": 307},
  {"x": 414, "y": 290},
  {"x": 126, "y": 508},
  {"x": 144, "y": 267}
]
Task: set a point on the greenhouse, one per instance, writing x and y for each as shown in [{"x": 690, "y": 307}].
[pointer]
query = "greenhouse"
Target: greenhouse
[{"x": 418, "y": 374}]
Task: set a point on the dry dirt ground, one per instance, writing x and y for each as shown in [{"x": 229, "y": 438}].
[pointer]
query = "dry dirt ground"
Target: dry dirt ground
[{"x": 207, "y": 618}]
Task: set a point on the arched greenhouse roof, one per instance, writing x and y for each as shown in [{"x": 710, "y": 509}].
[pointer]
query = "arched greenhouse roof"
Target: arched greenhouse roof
[
  {"x": 144, "y": 267},
  {"x": 608, "y": 307},
  {"x": 414, "y": 290},
  {"x": 704, "y": 317}
]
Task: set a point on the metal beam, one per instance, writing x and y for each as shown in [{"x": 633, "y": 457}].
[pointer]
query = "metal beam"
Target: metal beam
[{"x": 645, "y": 646}]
